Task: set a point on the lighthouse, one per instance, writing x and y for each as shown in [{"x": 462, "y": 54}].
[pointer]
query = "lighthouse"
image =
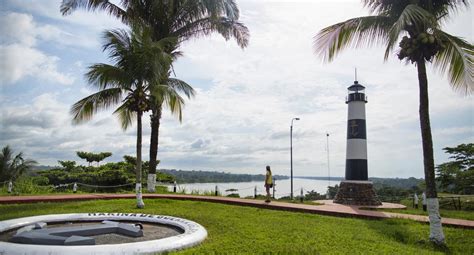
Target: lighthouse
[
  {"x": 356, "y": 149},
  {"x": 356, "y": 189}
]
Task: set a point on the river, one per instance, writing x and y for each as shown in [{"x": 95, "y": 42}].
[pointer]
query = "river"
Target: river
[{"x": 244, "y": 189}]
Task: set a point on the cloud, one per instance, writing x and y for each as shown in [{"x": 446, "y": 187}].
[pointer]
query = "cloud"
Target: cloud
[
  {"x": 20, "y": 28},
  {"x": 252, "y": 95},
  {"x": 240, "y": 118},
  {"x": 43, "y": 130},
  {"x": 79, "y": 29},
  {"x": 200, "y": 143},
  {"x": 21, "y": 58},
  {"x": 21, "y": 61}
]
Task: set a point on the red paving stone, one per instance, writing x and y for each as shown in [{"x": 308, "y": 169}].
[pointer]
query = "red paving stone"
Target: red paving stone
[{"x": 328, "y": 208}]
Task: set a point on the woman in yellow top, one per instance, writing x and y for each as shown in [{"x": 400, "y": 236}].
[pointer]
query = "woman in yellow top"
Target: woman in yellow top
[{"x": 268, "y": 183}]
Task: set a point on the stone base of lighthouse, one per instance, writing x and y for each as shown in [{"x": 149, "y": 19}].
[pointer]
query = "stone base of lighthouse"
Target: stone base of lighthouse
[{"x": 357, "y": 193}]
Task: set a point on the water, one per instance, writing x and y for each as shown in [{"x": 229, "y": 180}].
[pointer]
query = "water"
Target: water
[{"x": 245, "y": 189}]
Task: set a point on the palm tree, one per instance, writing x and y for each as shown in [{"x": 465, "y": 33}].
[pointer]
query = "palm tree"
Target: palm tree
[
  {"x": 179, "y": 19},
  {"x": 137, "y": 64},
  {"x": 419, "y": 22},
  {"x": 12, "y": 167}
]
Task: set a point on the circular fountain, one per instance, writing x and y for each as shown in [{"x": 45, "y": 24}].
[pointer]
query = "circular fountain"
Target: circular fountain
[{"x": 98, "y": 233}]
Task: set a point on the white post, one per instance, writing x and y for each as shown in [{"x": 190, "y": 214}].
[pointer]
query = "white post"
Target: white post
[
  {"x": 274, "y": 184},
  {"x": 10, "y": 186},
  {"x": 138, "y": 190},
  {"x": 301, "y": 195},
  {"x": 74, "y": 188},
  {"x": 436, "y": 230},
  {"x": 151, "y": 183}
]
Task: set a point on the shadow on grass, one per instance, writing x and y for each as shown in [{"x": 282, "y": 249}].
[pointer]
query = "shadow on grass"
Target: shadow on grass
[{"x": 408, "y": 233}]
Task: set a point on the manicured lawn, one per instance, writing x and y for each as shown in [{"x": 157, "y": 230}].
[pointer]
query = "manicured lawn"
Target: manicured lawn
[
  {"x": 455, "y": 214},
  {"x": 235, "y": 229}
]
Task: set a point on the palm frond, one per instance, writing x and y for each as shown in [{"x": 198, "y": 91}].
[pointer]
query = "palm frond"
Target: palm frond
[
  {"x": 5, "y": 157},
  {"x": 411, "y": 16},
  {"x": 84, "y": 109},
  {"x": 126, "y": 116},
  {"x": 176, "y": 104},
  {"x": 181, "y": 86},
  {"x": 68, "y": 6},
  {"x": 226, "y": 27},
  {"x": 116, "y": 41},
  {"x": 457, "y": 58},
  {"x": 104, "y": 76},
  {"x": 12, "y": 167},
  {"x": 444, "y": 9},
  {"x": 355, "y": 32},
  {"x": 221, "y": 7},
  {"x": 167, "y": 95}
]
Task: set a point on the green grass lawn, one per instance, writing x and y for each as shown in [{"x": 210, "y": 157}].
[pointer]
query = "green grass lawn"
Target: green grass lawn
[
  {"x": 455, "y": 214},
  {"x": 247, "y": 230}
]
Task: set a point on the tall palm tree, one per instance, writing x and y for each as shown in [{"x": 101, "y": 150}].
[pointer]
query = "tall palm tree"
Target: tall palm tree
[
  {"x": 180, "y": 19},
  {"x": 12, "y": 167},
  {"x": 137, "y": 64},
  {"x": 419, "y": 22}
]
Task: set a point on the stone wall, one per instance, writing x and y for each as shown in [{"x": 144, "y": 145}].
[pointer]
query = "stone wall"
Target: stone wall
[{"x": 356, "y": 193}]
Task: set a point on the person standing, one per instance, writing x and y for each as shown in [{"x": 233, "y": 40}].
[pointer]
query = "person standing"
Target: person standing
[
  {"x": 423, "y": 200},
  {"x": 268, "y": 183},
  {"x": 415, "y": 200}
]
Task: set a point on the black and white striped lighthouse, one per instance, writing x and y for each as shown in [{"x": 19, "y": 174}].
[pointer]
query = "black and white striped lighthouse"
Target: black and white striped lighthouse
[
  {"x": 356, "y": 189},
  {"x": 356, "y": 150}
]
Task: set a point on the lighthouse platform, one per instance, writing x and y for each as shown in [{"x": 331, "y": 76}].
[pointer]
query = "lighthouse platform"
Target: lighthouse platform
[{"x": 357, "y": 193}]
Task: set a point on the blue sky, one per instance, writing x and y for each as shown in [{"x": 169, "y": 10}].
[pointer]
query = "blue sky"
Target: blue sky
[{"x": 239, "y": 120}]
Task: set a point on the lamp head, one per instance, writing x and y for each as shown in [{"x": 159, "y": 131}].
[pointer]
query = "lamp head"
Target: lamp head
[{"x": 297, "y": 118}]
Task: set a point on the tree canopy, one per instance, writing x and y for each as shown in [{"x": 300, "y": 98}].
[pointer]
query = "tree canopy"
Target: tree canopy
[
  {"x": 457, "y": 175},
  {"x": 91, "y": 157},
  {"x": 13, "y": 166}
]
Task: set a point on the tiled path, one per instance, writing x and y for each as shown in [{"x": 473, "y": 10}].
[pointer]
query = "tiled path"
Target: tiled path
[{"x": 328, "y": 208}]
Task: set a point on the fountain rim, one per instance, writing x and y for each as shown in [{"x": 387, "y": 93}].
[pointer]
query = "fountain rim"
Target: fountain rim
[{"x": 193, "y": 234}]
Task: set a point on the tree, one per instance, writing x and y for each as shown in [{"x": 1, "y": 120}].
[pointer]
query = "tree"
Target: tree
[
  {"x": 179, "y": 19},
  {"x": 68, "y": 165},
  {"x": 457, "y": 176},
  {"x": 420, "y": 23},
  {"x": 101, "y": 156},
  {"x": 85, "y": 155},
  {"x": 93, "y": 157},
  {"x": 137, "y": 63},
  {"x": 12, "y": 167}
]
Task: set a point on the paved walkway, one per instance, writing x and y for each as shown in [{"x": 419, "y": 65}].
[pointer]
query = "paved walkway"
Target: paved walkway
[{"x": 328, "y": 208}]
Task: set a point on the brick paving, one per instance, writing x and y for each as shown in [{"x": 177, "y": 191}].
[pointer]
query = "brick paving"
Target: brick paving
[{"x": 327, "y": 208}]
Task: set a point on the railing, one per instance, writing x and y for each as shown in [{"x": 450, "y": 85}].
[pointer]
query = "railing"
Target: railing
[{"x": 356, "y": 97}]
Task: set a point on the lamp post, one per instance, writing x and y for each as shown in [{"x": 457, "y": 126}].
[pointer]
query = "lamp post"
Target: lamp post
[
  {"x": 291, "y": 155},
  {"x": 329, "y": 169}
]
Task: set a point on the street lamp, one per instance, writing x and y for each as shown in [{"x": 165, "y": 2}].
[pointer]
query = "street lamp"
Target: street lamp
[
  {"x": 291, "y": 155},
  {"x": 329, "y": 169}
]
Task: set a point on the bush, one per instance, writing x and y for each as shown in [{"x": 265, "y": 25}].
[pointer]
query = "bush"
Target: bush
[
  {"x": 110, "y": 174},
  {"x": 313, "y": 195},
  {"x": 28, "y": 185}
]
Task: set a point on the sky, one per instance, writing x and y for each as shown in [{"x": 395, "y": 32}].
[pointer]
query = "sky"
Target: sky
[{"x": 239, "y": 121}]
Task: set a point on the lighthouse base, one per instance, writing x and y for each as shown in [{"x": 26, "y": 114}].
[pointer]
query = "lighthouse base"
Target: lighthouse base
[{"x": 356, "y": 193}]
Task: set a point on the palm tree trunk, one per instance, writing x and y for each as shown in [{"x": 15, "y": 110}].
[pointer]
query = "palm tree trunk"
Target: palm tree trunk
[
  {"x": 154, "y": 138},
  {"x": 138, "y": 187},
  {"x": 436, "y": 230}
]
